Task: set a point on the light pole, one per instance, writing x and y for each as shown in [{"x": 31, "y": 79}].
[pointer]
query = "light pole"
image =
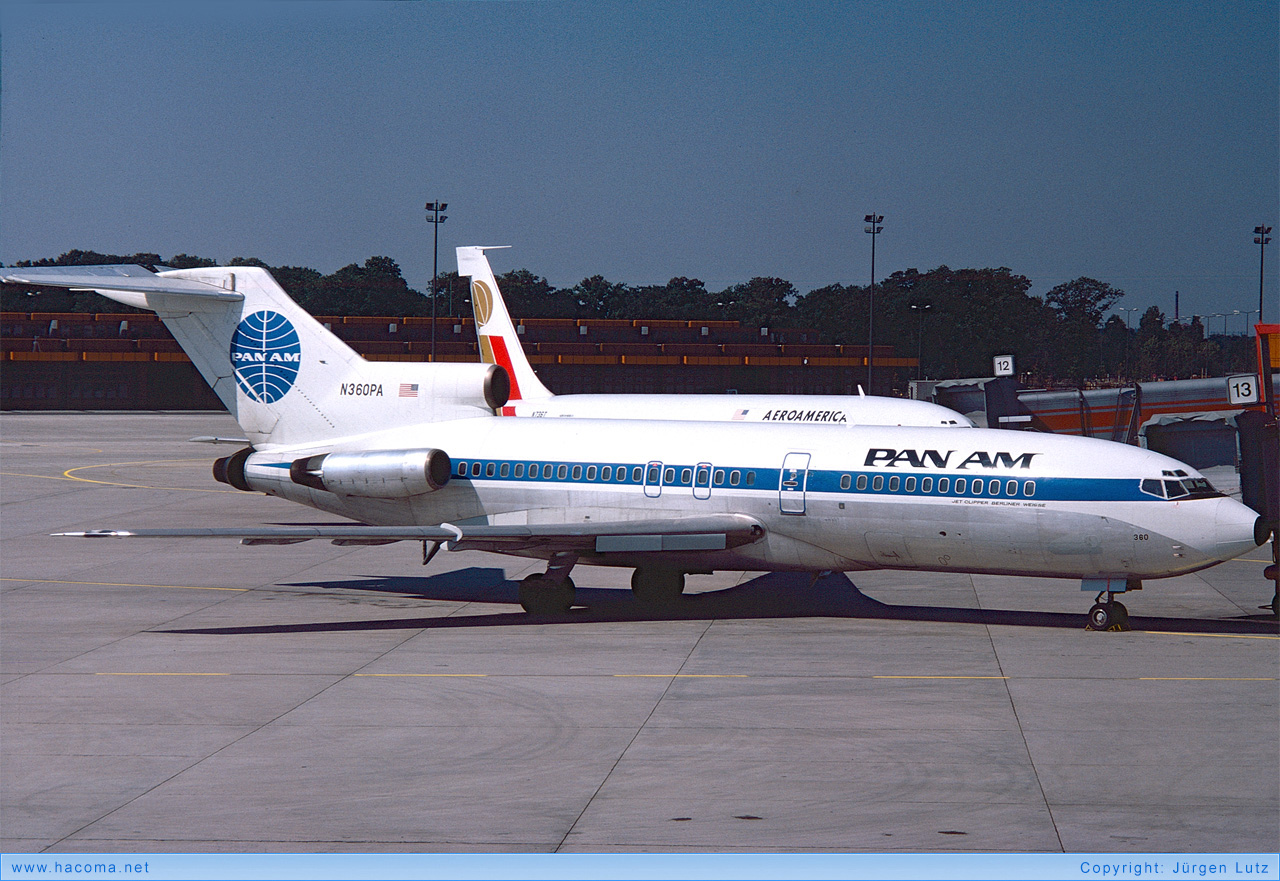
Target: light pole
[
  {"x": 1246, "y": 313},
  {"x": 873, "y": 229},
  {"x": 1128, "y": 343},
  {"x": 1261, "y": 238},
  {"x": 921, "y": 309},
  {"x": 435, "y": 218}
]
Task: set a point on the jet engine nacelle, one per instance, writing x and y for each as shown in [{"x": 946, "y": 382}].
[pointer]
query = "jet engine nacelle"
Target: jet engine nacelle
[
  {"x": 230, "y": 469},
  {"x": 375, "y": 474},
  {"x": 486, "y": 385}
]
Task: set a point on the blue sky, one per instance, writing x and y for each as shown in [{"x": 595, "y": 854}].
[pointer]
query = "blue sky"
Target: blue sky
[{"x": 1137, "y": 143}]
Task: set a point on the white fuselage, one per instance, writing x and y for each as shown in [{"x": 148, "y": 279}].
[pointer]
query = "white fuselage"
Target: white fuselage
[
  {"x": 830, "y": 498},
  {"x": 843, "y": 410}
]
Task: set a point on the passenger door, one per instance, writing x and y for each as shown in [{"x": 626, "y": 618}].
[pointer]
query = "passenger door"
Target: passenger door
[{"x": 791, "y": 483}]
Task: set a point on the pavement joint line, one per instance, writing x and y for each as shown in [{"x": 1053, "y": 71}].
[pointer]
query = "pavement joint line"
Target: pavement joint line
[
  {"x": 123, "y": 584},
  {"x": 161, "y": 674}
]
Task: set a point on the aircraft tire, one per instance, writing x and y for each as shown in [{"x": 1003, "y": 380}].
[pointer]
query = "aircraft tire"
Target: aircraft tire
[
  {"x": 657, "y": 587},
  {"x": 1108, "y": 616},
  {"x": 543, "y": 598}
]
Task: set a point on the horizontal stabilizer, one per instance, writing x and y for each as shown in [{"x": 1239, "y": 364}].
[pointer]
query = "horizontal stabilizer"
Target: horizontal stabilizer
[
  {"x": 138, "y": 279},
  {"x": 688, "y": 534}
]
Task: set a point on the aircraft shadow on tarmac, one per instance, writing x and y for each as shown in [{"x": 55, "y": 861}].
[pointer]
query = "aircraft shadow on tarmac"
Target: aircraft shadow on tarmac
[{"x": 777, "y": 595}]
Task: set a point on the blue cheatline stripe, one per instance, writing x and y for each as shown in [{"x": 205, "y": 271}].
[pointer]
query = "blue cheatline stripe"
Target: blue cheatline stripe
[{"x": 1039, "y": 488}]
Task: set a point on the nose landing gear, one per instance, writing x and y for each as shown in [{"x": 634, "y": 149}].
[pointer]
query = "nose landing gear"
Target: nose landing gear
[{"x": 1108, "y": 613}]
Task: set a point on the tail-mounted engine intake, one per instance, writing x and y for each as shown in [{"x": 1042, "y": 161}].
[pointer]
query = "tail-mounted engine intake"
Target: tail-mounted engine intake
[{"x": 375, "y": 474}]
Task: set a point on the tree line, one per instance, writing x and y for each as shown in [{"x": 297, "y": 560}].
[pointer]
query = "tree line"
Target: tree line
[{"x": 956, "y": 319}]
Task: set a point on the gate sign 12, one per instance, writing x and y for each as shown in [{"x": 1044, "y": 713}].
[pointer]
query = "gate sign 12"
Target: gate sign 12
[{"x": 1002, "y": 365}]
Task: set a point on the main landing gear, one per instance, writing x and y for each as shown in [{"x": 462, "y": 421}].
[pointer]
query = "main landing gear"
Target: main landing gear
[
  {"x": 1107, "y": 612},
  {"x": 551, "y": 594}
]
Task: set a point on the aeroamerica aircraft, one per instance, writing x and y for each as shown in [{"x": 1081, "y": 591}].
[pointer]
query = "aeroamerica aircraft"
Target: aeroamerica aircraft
[
  {"x": 500, "y": 345},
  {"x": 416, "y": 452}
]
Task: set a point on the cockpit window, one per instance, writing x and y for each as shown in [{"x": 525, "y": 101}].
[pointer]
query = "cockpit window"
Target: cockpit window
[
  {"x": 1199, "y": 488},
  {"x": 1186, "y": 488}
]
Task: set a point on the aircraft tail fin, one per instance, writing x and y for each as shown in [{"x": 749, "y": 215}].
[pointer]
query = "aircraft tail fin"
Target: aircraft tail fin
[
  {"x": 499, "y": 341},
  {"x": 284, "y": 376}
]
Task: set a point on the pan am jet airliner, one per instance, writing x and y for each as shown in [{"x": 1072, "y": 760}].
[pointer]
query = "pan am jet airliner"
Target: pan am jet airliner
[
  {"x": 500, "y": 345},
  {"x": 416, "y": 452}
]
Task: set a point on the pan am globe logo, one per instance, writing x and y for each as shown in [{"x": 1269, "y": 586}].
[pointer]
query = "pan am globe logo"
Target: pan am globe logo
[{"x": 266, "y": 354}]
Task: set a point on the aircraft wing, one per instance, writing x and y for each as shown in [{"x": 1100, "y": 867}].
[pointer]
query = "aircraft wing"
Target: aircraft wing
[{"x": 712, "y": 533}]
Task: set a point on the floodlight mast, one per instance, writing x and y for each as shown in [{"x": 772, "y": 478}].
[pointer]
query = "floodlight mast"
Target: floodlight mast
[
  {"x": 435, "y": 219},
  {"x": 873, "y": 229},
  {"x": 1261, "y": 238}
]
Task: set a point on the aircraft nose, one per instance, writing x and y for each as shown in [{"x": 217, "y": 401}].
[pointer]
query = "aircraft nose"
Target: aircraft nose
[{"x": 1237, "y": 529}]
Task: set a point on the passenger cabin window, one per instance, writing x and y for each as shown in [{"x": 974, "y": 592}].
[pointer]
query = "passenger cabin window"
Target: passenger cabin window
[
  {"x": 505, "y": 470},
  {"x": 877, "y": 482},
  {"x": 686, "y": 475},
  {"x": 591, "y": 472},
  {"x": 606, "y": 472},
  {"x": 719, "y": 477},
  {"x": 669, "y": 475},
  {"x": 519, "y": 469},
  {"x": 546, "y": 471},
  {"x": 490, "y": 470},
  {"x": 654, "y": 472},
  {"x": 926, "y": 484},
  {"x": 845, "y": 481},
  {"x": 910, "y": 484},
  {"x": 960, "y": 484},
  {"x": 735, "y": 477},
  {"x": 977, "y": 486},
  {"x": 1029, "y": 488},
  {"x": 1011, "y": 488},
  {"x": 635, "y": 474},
  {"x": 577, "y": 472},
  {"x": 475, "y": 469},
  {"x": 994, "y": 489},
  {"x": 462, "y": 469},
  {"x": 862, "y": 481},
  {"x": 561, "y": 472},
  {"x": 893, "y": 483},
  {"x": 751, "y": 478}
]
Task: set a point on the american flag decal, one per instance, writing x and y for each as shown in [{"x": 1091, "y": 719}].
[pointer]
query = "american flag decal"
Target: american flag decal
[
  {"x": 740, "y": 415},
  {"x": 408, "y": 389}
]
